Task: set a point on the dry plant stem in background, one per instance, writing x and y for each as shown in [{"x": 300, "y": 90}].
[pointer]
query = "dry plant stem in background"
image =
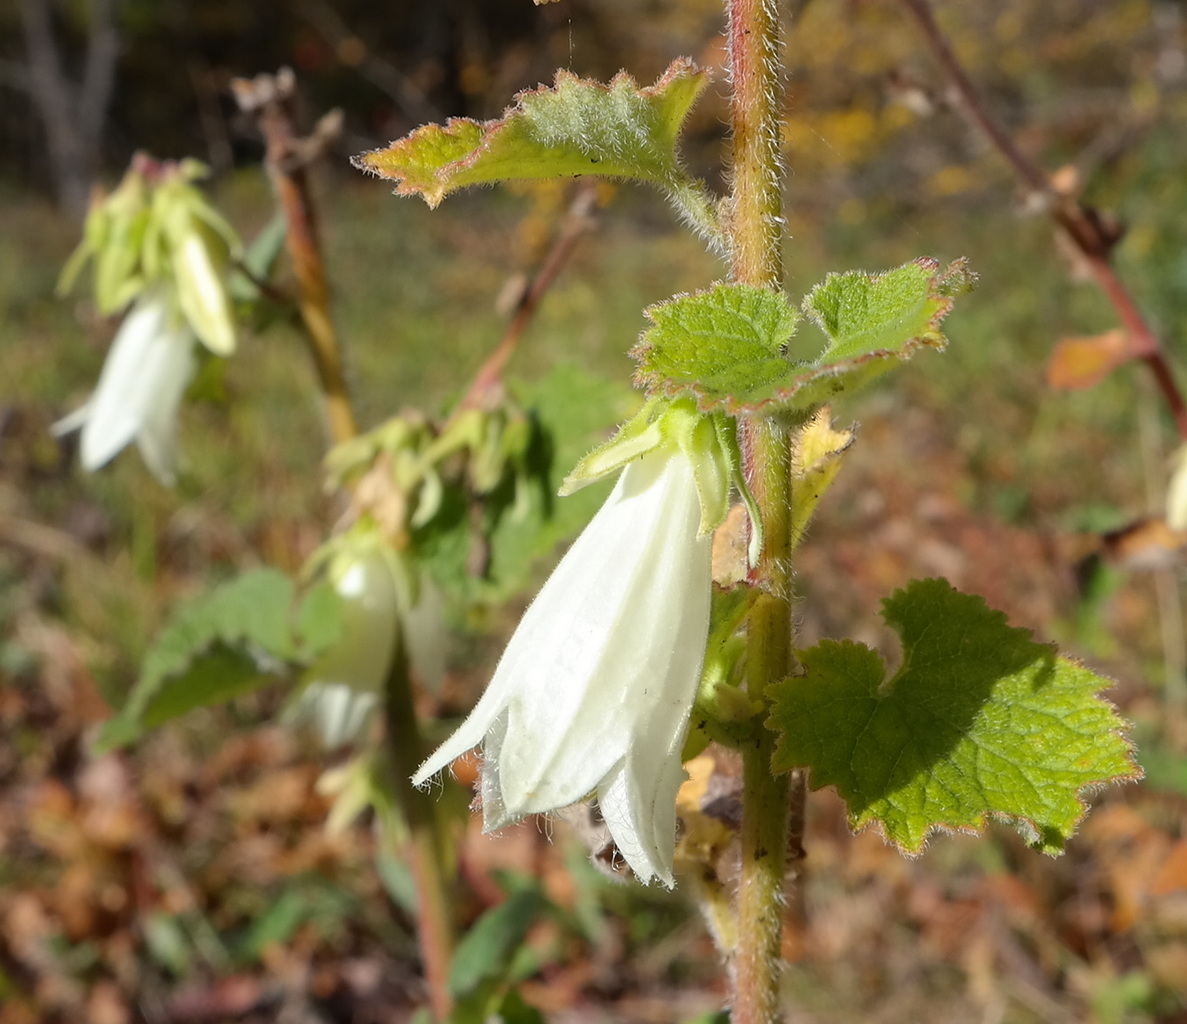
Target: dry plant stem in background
[
  {"x": 271, "y": 100},
  {"x": 487, "y": 386},
  {"x": 1079, "y": 223},
  {"x": 754, "y": 224},
  {"x": 426, "y": 849}
]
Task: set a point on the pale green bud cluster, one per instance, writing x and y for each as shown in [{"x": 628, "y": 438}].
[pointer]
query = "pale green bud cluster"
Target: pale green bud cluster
[
  {"x": 399, "y": 472},
  {"x": 157, "y": 229}
]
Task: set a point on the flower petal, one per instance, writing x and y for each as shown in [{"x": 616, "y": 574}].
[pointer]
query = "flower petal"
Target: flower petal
[
  {"x": 139, "y": 390},
  {"x": 115, "y": 409},
  {"x": 599, "y": 650},
  {"x": 157, "y": 436},
  {"x": 344, "y": 683}
]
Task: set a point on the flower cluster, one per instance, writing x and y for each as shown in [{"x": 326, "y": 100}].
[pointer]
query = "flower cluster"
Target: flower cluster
[{"x": 161, "y": 251}]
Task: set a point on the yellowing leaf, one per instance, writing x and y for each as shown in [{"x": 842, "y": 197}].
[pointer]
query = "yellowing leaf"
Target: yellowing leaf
[{"x": 1081, "y": 363}]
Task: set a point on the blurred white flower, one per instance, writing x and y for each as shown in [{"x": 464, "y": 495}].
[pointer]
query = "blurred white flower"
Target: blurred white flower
[
  {"x": 147, "y": 369},
  {"x": 345, "y": 683},
  {"x": 1176, "y": 492},
  {"x": 594, "y": 691}
]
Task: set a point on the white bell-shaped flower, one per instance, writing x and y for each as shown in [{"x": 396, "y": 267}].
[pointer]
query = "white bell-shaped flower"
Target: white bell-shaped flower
[
  {"x": 146, "y": 373},
  {"x": 345, "y": 684},
  {"x": 594, "y": 691}
]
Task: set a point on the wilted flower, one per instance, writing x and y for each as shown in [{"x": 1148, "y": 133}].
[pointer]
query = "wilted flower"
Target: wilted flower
[
  {"x": 594, "y": 691},
  {"x": 139, "y": 391}
]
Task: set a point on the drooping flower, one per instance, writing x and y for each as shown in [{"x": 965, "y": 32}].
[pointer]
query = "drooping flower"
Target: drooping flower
[
  {"x": 345, "y": 684},
  {"x": 147, "y": 369},
  {"x": 594, "y": 691}
]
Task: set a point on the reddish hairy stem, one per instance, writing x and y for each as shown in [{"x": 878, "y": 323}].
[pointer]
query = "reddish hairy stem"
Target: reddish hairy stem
[
  {"x": 1079, "y": 225},
  {"x": 754, "y": 224}
]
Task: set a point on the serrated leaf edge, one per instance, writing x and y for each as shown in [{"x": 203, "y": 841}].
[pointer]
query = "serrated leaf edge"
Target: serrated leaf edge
[
  {"x": 1121, "y": 732},
  {"x": 490, "y": 129},
  {"x": 932, "y": 338}
]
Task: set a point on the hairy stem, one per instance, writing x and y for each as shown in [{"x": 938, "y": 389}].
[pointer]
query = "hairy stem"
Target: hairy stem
[
  {"x": 425, "y": 851},
  {"x": 765, "y": 796},
  {"x": 755, "y": 206},
  {"x": 754, "y": 222}
]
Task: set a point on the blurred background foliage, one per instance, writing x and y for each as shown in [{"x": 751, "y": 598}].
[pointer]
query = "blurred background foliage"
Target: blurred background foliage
[{"x": 191, "y": 878}]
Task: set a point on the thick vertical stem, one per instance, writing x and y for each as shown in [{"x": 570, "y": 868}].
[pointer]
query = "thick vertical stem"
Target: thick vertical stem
[
  {"x": 766, "y": 797},
  {"x": 755, "y": 208},
  {"x": 755, "y": 229},
  {"x": 434, "y": 909}
]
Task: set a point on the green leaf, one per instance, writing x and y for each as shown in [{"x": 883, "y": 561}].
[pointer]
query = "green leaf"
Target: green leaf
[
  {"x": 864, "y": 313},
  {"x": 727, "y": 341},
  {"x": 259, "y": 260},
  {"x": 576, "y": 127},
  {"x": 731, "y": 346},
  {"x": 489, "y": 948},
  {"x": 242, "y": 635},
  {"x": 215, "y": 676},
  {"x": 979, "y": 721}
]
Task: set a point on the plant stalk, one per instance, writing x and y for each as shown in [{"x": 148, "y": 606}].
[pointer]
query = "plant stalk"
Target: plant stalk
[
  {"x": 755, "y": 225},
  {"x": 1078, "y": 223},
  {"x": 488, "y": 383},
  {"x": 271, "y": 99},
  {"x": 425, "y": 852}
]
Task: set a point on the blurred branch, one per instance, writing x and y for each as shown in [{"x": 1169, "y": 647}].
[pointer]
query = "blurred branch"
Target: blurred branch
[
  {"x": 271, "y": 100},
  {"x": 72, "y": 116},
  {"x": 98, "y": 76},
  {"x": 488, "y": 381},
  {"x": 403, "y": 91},
  {"x": 426, "y": 847},
  {"x": 15, "y": 76},
  {"x": 1084, "y": 227}
]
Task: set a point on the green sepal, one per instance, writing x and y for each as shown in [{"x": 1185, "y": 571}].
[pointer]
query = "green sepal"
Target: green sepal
[
  {"x": 708, "y": 442},
  {"x": 641, "y": 434},
  {"x": 723, "y": 712},
  {"x": 194, "y": 245},
  {"x": 727, "y": 436}
]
